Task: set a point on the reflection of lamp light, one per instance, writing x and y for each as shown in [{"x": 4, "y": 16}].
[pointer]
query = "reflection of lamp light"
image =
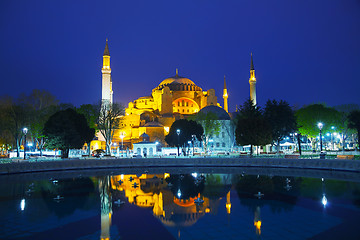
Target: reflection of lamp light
[
  {"x": 324, "y": 200},
  {"x": 179, "y": 193},
  {"x": 22, "y": 204}
]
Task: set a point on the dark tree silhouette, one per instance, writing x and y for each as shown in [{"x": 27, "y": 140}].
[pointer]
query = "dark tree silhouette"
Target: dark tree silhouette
[
  {"x": 281, "y": 118},
  {"x": 187, "y": 129},
  {"x": 252, "y": 128},
  {"x": 354, "y": 122},
  {"x": 67, "y": 129}
]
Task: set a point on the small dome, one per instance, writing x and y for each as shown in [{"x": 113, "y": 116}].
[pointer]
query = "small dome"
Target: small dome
[
  {"x": 221, "y": 113},
  {"x": 144, "y": 137},
  {"x": 153, "y": 124}
]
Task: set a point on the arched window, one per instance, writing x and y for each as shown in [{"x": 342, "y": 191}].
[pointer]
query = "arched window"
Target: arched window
[{"x": 151, "y": 151}]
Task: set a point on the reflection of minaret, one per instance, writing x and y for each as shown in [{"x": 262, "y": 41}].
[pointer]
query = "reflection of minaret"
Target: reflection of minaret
[
  {"x": 225, "y": 96},
  {"x": 252, "y": 82},
  {"x": 257, "y": 220},
  {"x": 107, "y": 93},
  {"x": 228, "y": 203},
  {"x": 106, "y": 207}
]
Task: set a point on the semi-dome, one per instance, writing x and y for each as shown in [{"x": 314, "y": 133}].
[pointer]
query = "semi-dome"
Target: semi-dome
[{"x": 220, "y": 113}]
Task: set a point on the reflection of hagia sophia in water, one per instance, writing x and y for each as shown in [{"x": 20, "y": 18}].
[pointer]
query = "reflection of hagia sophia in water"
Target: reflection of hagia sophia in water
[
  {"x": 154, "y": 191},
  {"x": 174, "y": 98}
]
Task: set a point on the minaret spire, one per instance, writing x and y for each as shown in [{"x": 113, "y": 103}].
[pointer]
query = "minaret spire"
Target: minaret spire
[
  {"x": 177, "y": 72},
  {"x": 225, "y": 96},
  {"x": 252, "y": 63},
  {"x": 252, "y": 82},
  {"x": 106, "y": 51}
]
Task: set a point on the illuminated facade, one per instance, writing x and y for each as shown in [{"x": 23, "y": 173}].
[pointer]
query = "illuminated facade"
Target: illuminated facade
[{"x": 172, "y": 99}]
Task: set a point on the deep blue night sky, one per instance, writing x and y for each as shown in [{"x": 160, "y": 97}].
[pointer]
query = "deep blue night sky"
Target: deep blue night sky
[{"x": 305, "y": 51}]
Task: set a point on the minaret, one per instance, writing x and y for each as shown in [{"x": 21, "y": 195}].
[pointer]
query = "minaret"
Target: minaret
[
  {"x": 252, "y": 82},
  {"x": 225, "y": 96},
  {"x": 107, "y": 93}
]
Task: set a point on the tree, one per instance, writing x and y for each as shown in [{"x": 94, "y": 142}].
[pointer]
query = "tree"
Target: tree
[
  {"x": 67, "y": 129},
  {"x": 108, "y": 121},
  {"x": 41, "y": 105},
  {"x": 252, "y": 128},
  {"x": 14, "y": 117},
  {"x": 308, "y": 118},
  {"x": 210, "y": 124},
  {"x": 344, "y": 129},
  {"x": 354, "y": 123},
  {"x": 281, "y": 118},
  {"x": 91, "y": 113},
  {"x": 187, "y": 128}
]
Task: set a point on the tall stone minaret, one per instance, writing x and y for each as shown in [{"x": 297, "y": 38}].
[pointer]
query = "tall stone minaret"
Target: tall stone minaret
[
  {"x": 225, "y": 96},
  {"x": 107, "y": 93},
  {"x": 252, "y": 82}
]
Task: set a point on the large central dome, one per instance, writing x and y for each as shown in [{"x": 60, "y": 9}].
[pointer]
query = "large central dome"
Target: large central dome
[{"x": 176, "y": 81}]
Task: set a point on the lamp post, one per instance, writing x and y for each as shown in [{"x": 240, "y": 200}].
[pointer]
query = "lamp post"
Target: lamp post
[
  {"x": 320, "y": 126},
  {"x": 178, "y": 134},
  {"x": 193, "y": 141},
  {"x": 122, "y": 135},
  {"x": 331, "y": 137},
  {"x": 25, "y": 130},
  {"x": 322, "y": 155}
]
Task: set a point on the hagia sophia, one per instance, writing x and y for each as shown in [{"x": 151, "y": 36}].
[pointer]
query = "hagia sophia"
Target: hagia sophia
[{"x": 174, "y": 98}]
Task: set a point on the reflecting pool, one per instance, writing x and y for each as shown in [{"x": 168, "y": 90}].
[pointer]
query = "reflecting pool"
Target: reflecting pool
[{"x": 184, "y": 203}]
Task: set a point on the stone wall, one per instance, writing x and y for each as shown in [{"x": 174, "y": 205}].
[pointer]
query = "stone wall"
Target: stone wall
[{"x": 88, "y": 164}]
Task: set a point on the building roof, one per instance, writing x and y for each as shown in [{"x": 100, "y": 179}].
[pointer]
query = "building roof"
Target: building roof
[
  {"x": 221, "y": 113},
  {"x": 173, "y": 81},
  {"x": 153, "y": 124}
]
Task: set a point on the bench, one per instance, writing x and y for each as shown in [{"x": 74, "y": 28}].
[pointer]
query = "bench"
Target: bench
[
  {"x": 345, "y": 157},
  {"x": 292, "y": 156}
]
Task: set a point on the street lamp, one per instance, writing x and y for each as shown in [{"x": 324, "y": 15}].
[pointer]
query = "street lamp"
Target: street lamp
[
  {"x": 320, "y": 126},
  {"x": 193, "y": 142},
  {"x": 25, "y": 130},
  {"x": 178, "y": 134},
  {"x": 331, "y": 137},
  {"x": 122, "y": 135}
]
